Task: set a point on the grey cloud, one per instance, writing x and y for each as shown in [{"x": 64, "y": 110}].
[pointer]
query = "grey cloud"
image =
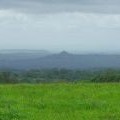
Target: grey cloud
[
  {"x": 52, "y": 6},
  {"x": 68, "y": 1}
]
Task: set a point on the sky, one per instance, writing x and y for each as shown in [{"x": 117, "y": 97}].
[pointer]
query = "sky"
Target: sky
[{"x": 84, "y": 26}]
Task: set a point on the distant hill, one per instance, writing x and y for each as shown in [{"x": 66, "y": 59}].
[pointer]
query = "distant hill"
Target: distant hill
[
  {"x": 17, "y": 54},
  {"x": 45, "y": 60}
]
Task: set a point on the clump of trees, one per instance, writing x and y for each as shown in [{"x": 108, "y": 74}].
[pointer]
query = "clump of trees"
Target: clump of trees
[
  {"x": 107, "y": 76},
  {"x": 8, "y": 77}
]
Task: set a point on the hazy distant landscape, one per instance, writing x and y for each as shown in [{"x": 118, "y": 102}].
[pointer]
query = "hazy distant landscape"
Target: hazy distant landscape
[
  {"x": 40, "y": 66},
  {"x": 40, "y": 59}
]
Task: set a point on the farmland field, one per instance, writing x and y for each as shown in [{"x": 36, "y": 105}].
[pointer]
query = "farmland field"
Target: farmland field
[{"x": 60, "y": 101}]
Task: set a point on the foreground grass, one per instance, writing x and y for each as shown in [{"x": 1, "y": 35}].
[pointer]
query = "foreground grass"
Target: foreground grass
[{"x": 84, "y": 101}]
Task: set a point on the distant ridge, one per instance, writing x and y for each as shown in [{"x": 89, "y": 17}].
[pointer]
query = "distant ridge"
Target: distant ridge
[
  {"x": 21, "y": 54},
  {"x": 46, "y": 60},
  {"x": 12, "y": 51}
]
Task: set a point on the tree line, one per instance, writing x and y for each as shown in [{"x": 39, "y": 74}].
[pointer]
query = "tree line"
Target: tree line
[{"x": 59, "y": 75}]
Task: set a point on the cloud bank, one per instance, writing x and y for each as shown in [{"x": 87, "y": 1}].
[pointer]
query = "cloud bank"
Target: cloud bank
[{"x": 53, "y": 6}]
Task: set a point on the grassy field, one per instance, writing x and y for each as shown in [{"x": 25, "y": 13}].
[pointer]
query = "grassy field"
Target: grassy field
[{"x": 83, "y": 101}]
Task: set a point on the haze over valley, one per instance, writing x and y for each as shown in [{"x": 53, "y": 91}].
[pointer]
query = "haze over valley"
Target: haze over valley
[{"x": 41, "y": 59}]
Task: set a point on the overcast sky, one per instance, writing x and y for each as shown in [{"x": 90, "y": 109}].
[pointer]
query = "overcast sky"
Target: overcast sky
[{"x": 56, "y": 25}]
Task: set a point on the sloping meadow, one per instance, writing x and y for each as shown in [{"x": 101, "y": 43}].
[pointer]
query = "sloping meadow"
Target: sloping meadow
[{"x": 58, "y": 101}]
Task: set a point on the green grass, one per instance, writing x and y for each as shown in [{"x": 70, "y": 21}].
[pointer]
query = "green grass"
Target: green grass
[{"x": 60, "y": 101}]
